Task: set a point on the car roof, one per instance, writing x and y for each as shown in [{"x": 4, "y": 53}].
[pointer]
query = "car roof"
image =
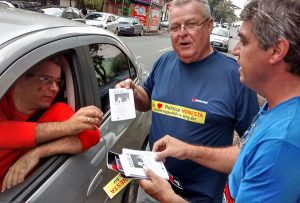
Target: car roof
[
  {"x": 16, "y": 22},
  {"x": 23, "y": 30}
]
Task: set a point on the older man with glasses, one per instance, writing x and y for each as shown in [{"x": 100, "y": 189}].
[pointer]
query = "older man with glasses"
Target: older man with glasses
[
  {"x": 196, "y": 96},
  {"x": 32, "y": 126}
]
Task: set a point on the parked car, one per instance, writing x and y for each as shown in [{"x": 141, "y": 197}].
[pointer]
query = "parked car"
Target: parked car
[
  {"x": 103, "y": 20},
  {"x": 95, "y": 61},
  {"x": 130, "y": 26},
  {"x": 32, "y": 6},
  {"x": 219, "y": 38},
  {"x": 17, "y": 4},
  {"x": 63, "y": 12},
  {"x": 4, "y": 4},
  {"x": 225, "y": 25},
  {"x": 164, "y": 24}
]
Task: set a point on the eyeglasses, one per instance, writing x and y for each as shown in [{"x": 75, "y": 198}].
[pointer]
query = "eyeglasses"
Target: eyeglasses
[
  {"x": 48, "y": 80},
  {"x": 188, "y": 27}
]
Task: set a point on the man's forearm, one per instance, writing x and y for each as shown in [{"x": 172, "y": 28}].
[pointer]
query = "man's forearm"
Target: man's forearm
[
  {"x": 218, "y": 159},
  {"x": 141, "y": 99},
  {"x": 49, "y": 131},
  {"x": 174, "y": 198},
  {"x": 65, "y": 145}
]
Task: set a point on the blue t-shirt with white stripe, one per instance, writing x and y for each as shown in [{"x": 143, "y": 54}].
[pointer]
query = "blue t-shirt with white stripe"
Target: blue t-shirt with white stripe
[{"x": 201, "y": 103}]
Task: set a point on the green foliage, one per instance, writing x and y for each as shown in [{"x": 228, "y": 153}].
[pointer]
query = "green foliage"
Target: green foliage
[
  {"x": 126, "y": 11},
  {"x": 94, "y": 4},
  {"x": 223, "y": 10}
]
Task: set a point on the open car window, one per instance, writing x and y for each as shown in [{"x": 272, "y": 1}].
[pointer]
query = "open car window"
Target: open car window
[{"x": 111, "y": 67}]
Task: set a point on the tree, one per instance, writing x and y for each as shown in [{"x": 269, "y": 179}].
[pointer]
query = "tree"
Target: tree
[
  {"x": 223, "y": 10},
  {"x": 94, "y": 4}
]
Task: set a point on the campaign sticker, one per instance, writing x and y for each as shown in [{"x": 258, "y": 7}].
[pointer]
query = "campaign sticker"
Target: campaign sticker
[
  {"x": 180, "y": 112},
  {"x": 115, "y": 185}
]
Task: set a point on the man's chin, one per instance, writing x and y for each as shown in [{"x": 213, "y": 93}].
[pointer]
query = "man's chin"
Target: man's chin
[
  {"x": 187, "y": 59},
  {"x": 45, "y": 105},
  {"x": 242, "y": 79}
]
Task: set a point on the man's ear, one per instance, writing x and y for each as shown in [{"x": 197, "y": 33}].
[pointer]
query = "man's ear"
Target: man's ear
[
  {"x": 210, "y": 23},
  {"x": 280, "y": 50}
]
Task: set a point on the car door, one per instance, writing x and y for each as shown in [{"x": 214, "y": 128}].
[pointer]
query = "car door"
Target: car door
[
  {"x": 111, "y": 66},
  {"x": 80, "y": 178},
  {"x": 138, "y": 27},
  {"x": 111, "y": 23}
]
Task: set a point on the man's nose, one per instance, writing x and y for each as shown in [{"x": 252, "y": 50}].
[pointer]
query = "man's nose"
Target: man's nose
[
  {"x": 236, "y": 49},
  {"x": 182, "y": 30},
  {"x": 54, "y": 86}
]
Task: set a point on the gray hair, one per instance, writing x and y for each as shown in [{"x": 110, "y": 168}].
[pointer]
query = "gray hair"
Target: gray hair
[
  {"x": 204, "y": 5},
  {"x": 36, "y": 67},
  {"x": 275, "y": 19}
]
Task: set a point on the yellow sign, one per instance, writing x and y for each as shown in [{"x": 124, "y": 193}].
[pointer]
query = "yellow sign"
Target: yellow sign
[
  {"x": 178, "y": 112},
  {"x": 115, "y": 185}
]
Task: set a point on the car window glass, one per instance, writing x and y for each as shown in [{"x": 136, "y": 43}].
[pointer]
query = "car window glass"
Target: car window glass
[
  {"x": 68, "y": 14},
  {"x": 95, "y": 16},
  {"x": 111, "y": 66},
  {"x": 3, "y": 5},
  {"x": 220, "y": 32}
]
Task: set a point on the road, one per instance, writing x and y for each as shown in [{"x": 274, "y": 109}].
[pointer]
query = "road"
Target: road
[{"x": 148, "y": 48}]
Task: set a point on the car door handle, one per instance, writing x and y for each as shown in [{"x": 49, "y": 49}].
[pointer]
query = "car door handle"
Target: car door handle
[{"x": 95, "y": 182}]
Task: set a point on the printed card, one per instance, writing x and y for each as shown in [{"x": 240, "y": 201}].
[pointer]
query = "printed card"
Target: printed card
[{"x": 121, "y": 104}]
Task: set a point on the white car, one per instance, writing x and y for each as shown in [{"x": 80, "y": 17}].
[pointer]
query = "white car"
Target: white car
[
  {"x": 103, "y": 20},
  {"x": 219, "y": 38},
  {"x": 4, "y": 4}
]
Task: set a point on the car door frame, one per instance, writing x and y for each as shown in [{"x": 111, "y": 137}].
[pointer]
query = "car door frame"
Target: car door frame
[
  {"x": 33, "y": 188},
  {"x": 26, "y": 191}
]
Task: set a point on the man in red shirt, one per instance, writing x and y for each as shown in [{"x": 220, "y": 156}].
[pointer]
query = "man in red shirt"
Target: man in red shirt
[{"x": 59, "y": 130}]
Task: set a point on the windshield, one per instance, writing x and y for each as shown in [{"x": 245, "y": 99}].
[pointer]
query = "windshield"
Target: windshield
[
  {"x": 123, "y": 20},
  {"x": 220, "y": 32},
  {"x": 96, "y": 16},
  {"x": 53, "y": 11}
]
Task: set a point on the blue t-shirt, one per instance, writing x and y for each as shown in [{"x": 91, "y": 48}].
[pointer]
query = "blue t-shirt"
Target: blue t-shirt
[
  {"x": 267, "y": 169},
  {"x": 199, "y": 103}
]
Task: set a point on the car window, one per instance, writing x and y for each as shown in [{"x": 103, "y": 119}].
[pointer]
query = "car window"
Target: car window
[
  {"x": 124, "y": 20},
  {"x": 68, "y": 14},
  {"x": 111, "y": 66},
  {"x": 3, "y": 5},
  {"x": 220, "y": 32},
  {"x": 95, "y": 16}
]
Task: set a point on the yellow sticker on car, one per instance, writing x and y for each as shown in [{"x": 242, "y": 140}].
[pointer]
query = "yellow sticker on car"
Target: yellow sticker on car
[
  {"x": 178, "y": 112},
  {"x": 115, "y": 185}
]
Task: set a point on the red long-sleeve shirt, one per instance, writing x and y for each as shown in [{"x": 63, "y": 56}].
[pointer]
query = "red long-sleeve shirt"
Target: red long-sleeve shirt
[{"x": 18, "y": 136}]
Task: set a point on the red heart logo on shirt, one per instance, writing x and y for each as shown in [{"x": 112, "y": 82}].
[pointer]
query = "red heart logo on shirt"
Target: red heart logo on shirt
[{"x": 159, "y": 105}]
